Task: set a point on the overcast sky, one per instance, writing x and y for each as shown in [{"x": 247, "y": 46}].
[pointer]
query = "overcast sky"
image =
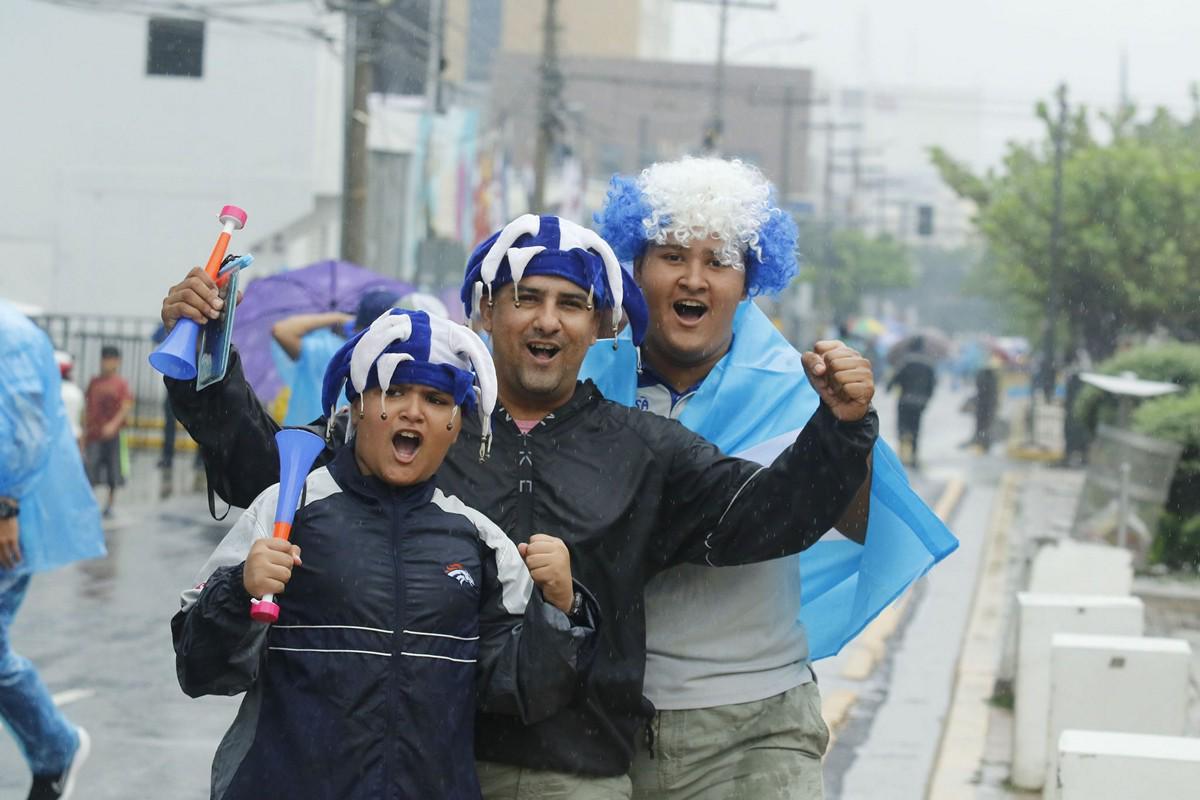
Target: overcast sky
[{"x": 1014, "y": 51}]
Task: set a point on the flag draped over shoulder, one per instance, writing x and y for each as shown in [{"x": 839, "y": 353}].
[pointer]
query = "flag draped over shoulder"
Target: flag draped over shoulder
[{"x": 753, "y": 405}]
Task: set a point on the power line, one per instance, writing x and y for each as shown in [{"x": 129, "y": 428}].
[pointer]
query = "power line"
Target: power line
[{"x": 279, "y": 28}]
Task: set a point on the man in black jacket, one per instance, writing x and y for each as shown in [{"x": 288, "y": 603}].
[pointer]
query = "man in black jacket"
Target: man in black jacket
[{"x": 630, "y": 492}]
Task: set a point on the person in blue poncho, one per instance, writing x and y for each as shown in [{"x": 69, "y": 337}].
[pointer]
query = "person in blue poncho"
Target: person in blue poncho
[
  {"x": 48, "y": 518},
  {"x": 728, "y": 653}
]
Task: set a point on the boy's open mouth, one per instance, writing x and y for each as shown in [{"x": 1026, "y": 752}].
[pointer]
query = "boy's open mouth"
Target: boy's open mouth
[
  {"x": 690, "y": 311},
  {"x": 542, "y": 353},
  {"x": 405, "y": 444}
]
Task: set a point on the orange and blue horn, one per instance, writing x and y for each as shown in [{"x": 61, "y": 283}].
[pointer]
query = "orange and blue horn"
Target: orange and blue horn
[
  {"x": 298, "y": 449},
  {"x": 176, "y": 356}
]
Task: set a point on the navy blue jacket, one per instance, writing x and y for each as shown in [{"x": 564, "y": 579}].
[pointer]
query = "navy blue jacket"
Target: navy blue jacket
[{"x": 410, "y": 611}]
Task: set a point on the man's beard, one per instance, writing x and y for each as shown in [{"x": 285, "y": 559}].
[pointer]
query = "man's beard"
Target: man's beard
[{"x": 537, "y": 382}]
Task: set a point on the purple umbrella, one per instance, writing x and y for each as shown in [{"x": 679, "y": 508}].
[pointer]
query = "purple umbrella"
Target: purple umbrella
[{"x": 324, "y": 286}]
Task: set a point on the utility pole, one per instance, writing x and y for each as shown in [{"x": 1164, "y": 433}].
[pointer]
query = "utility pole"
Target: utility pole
[
  {"x": 549, "y": 102},
  {"x": 712, "y": 142},
  {"x": 785, "y": 147},
  {"x": 823, "y": 293},
  {"x": 827, "y": 184},
  {"x": 433, "y": 107},
  {"x": 359, "y": 69},
  {"x": 1055, "y": 266},
  {"x": 787, "y": 103},
  {"x": 433, "y": 64},
  {"x": 716, "y": 127}
]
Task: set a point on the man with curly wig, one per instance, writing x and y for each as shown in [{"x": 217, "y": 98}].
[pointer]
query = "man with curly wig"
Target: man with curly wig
[{"x": 738, "y": 713}]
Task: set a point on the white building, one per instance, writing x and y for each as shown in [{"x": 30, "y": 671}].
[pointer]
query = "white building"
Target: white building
[
  {"x": 883, "y": 174},
  {"x": 113, "y": 175}
]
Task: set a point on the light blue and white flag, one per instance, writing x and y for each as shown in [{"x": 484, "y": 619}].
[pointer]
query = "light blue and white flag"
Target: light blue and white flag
[{"x": 844, "y": 585}]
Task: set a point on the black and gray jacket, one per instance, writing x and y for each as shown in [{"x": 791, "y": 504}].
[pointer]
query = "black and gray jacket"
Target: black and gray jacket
[
  {"x": 631, "y": 493},
  {"x": 410, "y": 612}
]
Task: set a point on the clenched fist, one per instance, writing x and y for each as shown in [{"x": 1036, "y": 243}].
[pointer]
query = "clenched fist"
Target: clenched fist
[
  {"x": 549, "y": 565},
  {"x": 842, "y": 377},
  {"x": 269, "y": 566}
]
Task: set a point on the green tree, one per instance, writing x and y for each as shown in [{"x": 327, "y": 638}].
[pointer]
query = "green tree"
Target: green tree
[
  {"x": 844, "y": 265},
  {"x": 1130, "y": 231}
]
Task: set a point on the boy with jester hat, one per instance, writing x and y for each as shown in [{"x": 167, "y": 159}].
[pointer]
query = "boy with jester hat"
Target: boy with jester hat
[
  {"x": 631, "y": 493},
  {"x": 409, "y": 604},
  {"x": 727, "y": 652}
]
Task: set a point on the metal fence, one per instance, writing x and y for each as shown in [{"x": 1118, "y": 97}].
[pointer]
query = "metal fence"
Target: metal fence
[
  {"x": 84, "y": 335},
  {"x": 1128, "y": 478}
]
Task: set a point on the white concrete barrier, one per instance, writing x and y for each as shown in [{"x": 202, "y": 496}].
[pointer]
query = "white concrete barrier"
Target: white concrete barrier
[
  {"x": 1123, "y": 684},
  {"x": 1099, "y": 765},
  {"x": 1039, "y": 617},
  {"x": 1070, "y": 567}
]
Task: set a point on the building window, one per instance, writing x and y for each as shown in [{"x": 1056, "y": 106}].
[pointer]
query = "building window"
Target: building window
[{"x": 176, "y": 47}]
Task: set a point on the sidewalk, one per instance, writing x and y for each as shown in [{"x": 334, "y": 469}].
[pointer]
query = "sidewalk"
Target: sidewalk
[{"x": 1037, "y": 507}]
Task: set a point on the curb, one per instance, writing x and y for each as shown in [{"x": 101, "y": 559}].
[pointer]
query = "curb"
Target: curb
[{"x": 964, "y": 736}]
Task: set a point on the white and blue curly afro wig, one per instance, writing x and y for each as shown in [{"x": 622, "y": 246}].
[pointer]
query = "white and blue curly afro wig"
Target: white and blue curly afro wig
[{"x": 693, "y": 199}]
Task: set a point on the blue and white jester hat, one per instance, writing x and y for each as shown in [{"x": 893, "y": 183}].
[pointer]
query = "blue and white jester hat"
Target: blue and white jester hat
[
  {"x": 545, "y": 245},
  {"x": 404, "y": 346},
  {"x": 693, "y": 199}
]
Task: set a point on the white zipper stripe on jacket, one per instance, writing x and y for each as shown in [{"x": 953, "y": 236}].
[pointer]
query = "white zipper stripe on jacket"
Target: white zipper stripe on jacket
[
  {"x": 320, "y": 650},
  {"x": 336, "y": 627},
  {"x": 442, "y": 658},
  {"x": 444, "y": 636}
]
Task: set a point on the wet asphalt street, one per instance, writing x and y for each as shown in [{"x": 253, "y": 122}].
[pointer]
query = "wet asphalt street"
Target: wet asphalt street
[
  {"x": 100, "y": 636},
  {"x": 99, "y": 633}
]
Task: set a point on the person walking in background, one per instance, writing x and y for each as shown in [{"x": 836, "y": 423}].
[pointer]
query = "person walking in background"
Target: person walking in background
[
  {"x": 986, "y": 402},
  {"x": 108, "y": 403},
  {"x": 48, "y": 518},
  {"x": 1075, "y": 430},
  {"x": 72, "y": 395},
  {"x": 916, "y": 379},
  {"x": 166, "y": 459}
]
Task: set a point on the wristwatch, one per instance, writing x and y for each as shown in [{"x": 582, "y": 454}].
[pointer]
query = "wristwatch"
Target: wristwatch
[
  {"x": 11, "y": 508},
  {"x": 576, "y": 607}
]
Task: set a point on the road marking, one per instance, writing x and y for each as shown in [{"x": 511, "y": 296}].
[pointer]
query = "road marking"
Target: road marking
[
  {"x": 964, "y": 736},
  {"x": 68, "y": 696},
  {"x": 871, "y": 645}
]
